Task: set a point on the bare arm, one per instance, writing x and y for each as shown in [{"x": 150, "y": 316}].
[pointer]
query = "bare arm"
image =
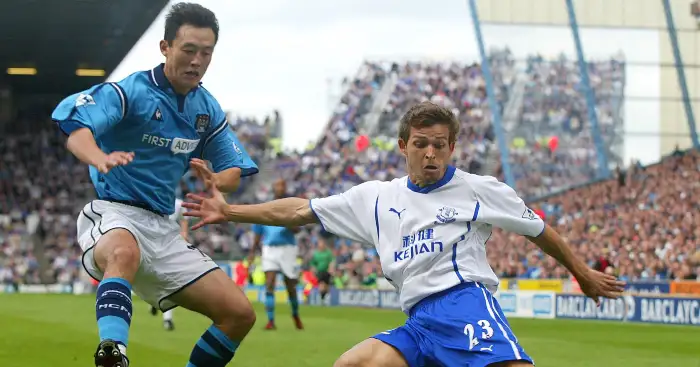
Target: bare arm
[
  {"x": 228, "y": 180},
  {"x": 82, "y": 144},
  {"x": 288, "y": 212},
  {"x": 554, "y": 245}
]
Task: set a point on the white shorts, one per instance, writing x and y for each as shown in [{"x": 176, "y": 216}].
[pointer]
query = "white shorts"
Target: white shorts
[
  {"x": 168, "y": 263},
  {"x": 281, "y": 259}
]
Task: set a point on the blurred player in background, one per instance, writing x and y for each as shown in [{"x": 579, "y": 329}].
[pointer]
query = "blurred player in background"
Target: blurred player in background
[
  {"x": 430, "y": 229},
  {"x": 177, "y": 216},
  {"x": 279, "y": 255},
  {"x": 138, "y": 137},
  {"x": 321, "y": 263}
]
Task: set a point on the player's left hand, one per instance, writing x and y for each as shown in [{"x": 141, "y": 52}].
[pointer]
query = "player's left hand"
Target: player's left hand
[
  {"x": 595, "y": 284},
  {"x": 202, "y": 171},
  {"x": 210, "y": 209}
]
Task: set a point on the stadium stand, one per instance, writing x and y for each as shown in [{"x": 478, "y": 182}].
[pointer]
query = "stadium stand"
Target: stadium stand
[
  {"x": 554, "y": 106},
  {"x": 638, "y": 225}
]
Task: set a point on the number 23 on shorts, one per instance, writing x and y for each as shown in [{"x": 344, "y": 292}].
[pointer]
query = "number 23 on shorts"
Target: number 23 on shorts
[{"x": 483, "y": 328}]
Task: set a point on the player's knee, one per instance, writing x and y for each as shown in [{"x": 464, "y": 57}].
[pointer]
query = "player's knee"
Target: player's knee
[
  {"x": 350, "y": 359},
  {"x": 125, "y": 256},
  {"x": 238, "y": 317},
  {"x": 118, "y": 252}
]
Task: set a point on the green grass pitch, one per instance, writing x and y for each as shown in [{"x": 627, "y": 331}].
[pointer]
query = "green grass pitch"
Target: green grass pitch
[{"x": 60, "y": 330}]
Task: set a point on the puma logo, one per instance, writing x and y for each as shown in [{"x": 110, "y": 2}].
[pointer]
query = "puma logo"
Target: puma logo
[{"x": 397, "y": 212}]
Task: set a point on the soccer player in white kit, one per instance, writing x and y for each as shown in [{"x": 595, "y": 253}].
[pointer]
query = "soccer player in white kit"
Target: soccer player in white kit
[{"x": 430, "y": 229}]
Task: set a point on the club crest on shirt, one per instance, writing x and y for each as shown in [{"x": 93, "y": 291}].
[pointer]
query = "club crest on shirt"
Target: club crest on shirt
[
  {"x": 202, "y": 123},
  {"x": 446, "y": 215}
]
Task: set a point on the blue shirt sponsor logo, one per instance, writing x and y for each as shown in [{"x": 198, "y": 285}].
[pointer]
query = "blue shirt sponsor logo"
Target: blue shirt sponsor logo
[{"x": 421, "y": 242}]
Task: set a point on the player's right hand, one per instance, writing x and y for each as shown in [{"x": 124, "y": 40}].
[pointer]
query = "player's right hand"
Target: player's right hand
[
  {"x": 595, "y": 285},
  {"x": 114, "y": 159},
  {"x": 211, "y": 209}
]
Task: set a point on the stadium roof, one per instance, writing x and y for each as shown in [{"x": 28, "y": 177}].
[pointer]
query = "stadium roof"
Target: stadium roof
[{"x": 56, "y": 38}]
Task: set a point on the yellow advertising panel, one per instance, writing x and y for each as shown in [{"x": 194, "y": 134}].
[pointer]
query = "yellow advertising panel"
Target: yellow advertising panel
[{"x": 555, "y": 285}]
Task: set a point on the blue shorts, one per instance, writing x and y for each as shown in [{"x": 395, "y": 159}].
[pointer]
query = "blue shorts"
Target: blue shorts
[{"x": 461, "y": 326}]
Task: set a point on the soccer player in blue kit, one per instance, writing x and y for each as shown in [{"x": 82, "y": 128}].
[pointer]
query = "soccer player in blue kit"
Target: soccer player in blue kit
[
  {"x": 279, "y": 255},
  {"x": 430, "y": 230},
  {"x": 139, "y": 136}
]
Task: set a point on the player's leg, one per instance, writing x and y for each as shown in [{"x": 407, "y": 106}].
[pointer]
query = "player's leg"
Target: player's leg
[
  {"x": 291, "y": 285},
  {"x": 117, "y": 255},
  {"x": 112, "y": 256},
  {"x": 270, "y": 284},
  {"x": 168, "y": 323},
  {"x": 270, "y": 264},
  {"x": 392, "y": 348},
  {"x": 324, "y": 279},
  {"x": 290, "y": 270},
  {"x": 216, "y": 296}
]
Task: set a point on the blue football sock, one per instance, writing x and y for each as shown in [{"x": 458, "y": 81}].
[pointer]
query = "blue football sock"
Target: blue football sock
[
  {"x": 270, "y": 305},
  {"x": 294, "y": 302},
  {"x": 114, "y": 310},
  {"x": 214, "y": 349}
]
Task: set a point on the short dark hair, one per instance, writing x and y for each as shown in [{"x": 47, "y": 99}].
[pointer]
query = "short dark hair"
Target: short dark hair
[
  {"x": 192, "y": 14},
  {"x": 427, "y": 114}
]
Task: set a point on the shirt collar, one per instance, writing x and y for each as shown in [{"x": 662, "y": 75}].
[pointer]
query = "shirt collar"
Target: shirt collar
[
  {"x": 449, "y": 173},
  {"x": 157, "y": 76}
]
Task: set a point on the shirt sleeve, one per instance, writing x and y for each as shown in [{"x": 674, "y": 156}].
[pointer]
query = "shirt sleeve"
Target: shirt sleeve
[
  {"x": 257, "y": 229},
  {"x": 500, "y": 206},
  {"x": 224, "y": 150},
  {"x": 351, "y": 213},
  {"x": 99, "y": 109}
]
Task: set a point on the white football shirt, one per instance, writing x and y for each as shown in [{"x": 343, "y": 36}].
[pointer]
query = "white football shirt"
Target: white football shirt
[{"x": 432, "y": 238}]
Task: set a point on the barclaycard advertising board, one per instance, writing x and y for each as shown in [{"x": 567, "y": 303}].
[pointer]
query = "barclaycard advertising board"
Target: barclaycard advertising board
[
  {"x": 578, "y": 306},
  {"x": 666, "y": 310}
]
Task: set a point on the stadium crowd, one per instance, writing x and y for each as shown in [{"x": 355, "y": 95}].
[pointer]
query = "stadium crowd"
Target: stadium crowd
[
  {"x": 554, "y": 107},
  {"x": 639, "y": 225}
]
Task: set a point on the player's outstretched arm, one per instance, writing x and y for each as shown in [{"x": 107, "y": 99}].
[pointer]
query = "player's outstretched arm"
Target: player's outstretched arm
[
  {"x": 288, "y": 212},
  {"x": 501, "y": 207},
  {"x": 593, "y": 283}
]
